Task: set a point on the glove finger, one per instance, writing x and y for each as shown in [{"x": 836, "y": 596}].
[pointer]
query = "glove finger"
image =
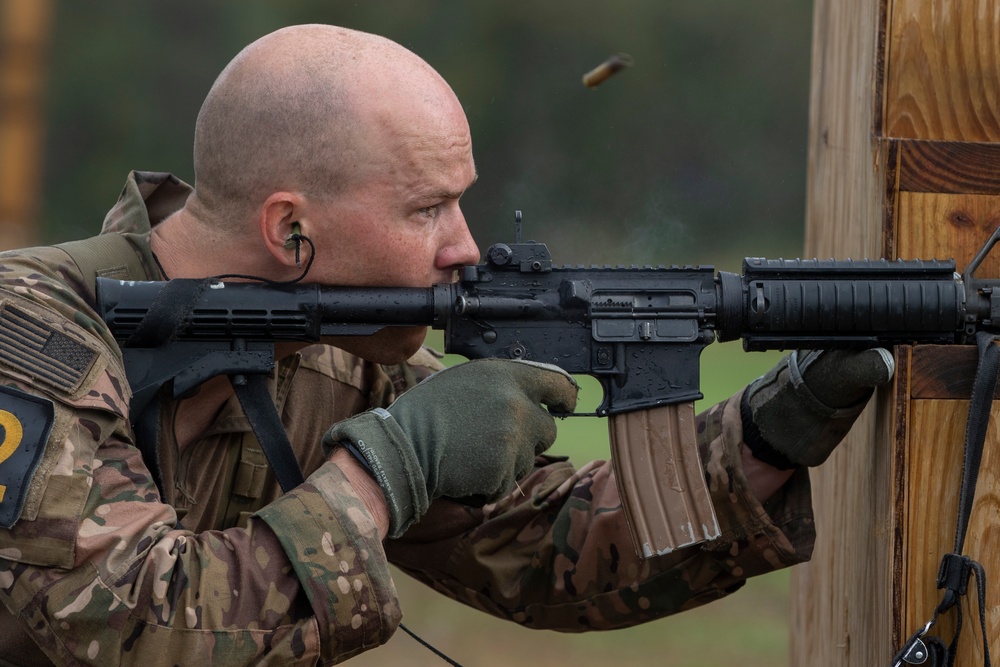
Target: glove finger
[
  {"x": 543, "y": 430},
  {"x": 532, "y": 431},
  {"x": 547, "y": 384},
  {"x": 840, "y": 378}
]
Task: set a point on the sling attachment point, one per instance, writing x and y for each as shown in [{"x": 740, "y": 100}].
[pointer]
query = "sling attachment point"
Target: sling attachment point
[{"x": 917, "y": 651}]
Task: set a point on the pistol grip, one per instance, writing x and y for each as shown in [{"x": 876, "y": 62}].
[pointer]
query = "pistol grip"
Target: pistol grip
[{"x": 661, "y": 480}]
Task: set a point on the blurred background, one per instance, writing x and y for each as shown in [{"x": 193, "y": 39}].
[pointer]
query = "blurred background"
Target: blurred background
[{"x": 694, "y": 155}]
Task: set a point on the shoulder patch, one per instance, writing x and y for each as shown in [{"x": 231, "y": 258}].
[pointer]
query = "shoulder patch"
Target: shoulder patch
[
  {"x": 30, "y": 345},
  {"x": 25, "y": 422}
]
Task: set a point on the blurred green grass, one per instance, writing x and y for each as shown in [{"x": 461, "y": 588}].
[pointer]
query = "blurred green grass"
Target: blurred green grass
[{"x": 749, "y": 628}]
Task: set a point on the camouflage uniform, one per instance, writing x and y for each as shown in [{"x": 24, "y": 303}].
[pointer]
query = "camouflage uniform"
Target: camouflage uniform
[{"x": 99, "y": 569}]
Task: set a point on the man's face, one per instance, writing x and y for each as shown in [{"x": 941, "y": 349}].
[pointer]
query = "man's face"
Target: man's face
[{"x": 399, "y": 223}]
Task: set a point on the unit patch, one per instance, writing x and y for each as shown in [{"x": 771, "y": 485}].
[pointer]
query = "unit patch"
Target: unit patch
[{"x": 25, "y": 422}]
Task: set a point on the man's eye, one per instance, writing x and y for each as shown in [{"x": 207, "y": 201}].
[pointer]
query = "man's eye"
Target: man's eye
[{"x": 428, "y": 211}]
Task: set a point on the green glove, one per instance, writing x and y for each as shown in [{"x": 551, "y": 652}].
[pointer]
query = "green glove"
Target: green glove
[
  {"x": 798, "y": 412},
  {"x": 466, "y": 432}
]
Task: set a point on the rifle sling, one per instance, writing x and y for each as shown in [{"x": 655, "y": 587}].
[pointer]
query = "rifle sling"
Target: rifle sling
[
  {"x": 251, "y": 390},
  {"x": 956, "y": 569}
]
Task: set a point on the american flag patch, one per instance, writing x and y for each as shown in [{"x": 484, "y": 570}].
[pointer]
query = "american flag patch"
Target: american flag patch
[{"x": 34, "y": 348}]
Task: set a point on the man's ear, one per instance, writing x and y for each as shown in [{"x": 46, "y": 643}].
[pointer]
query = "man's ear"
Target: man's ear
[{"x": 280, "y": 217}]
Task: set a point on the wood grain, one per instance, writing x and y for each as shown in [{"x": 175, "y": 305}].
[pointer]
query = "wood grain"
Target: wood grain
[
  {"x": 949, "y": 166},
  {"x": 943, "y": 371},
  {"x": 943, "y": 70},
  {"x": 936, "y": 433},
  {"x": 846, "y": 174},
  {"x": 842, "y": 609},
  {"x": 947, "y": 226}
]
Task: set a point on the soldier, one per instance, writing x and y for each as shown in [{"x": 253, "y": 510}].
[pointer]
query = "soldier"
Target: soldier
[{"x": 355, "y": 143}]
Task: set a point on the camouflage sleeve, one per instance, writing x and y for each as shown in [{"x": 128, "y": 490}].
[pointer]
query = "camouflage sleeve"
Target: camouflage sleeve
[
  {"x": 94, "y": 567},
  {"x": 560, "y": 556}
]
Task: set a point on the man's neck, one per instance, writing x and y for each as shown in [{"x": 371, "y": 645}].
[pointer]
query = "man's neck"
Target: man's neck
[{"x": 186, "y": 247}]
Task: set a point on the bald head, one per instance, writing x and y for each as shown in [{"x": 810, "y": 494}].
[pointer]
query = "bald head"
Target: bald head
[{"x": 299, "y": 109}]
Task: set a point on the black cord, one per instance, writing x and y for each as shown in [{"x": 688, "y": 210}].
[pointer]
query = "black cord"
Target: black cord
[
  {"x": 427, "y": 646},
  {"x": 159, "y": 266},
  {"x": 296, "y": 238}
]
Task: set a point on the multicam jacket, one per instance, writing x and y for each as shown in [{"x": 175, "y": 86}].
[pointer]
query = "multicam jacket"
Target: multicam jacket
[{"x": 97, "y": 568}]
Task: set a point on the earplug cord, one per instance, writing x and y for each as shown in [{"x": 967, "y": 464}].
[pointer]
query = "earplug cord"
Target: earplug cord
[{"x": 296, "y": 239}]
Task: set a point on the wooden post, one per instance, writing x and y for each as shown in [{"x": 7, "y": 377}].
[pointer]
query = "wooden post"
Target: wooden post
[
  {"x": 24, "y": 40},
  {"x": 904, "y": 161}
]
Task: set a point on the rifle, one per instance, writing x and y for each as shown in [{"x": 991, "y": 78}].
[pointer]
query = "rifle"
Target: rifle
[{"x": 638, "y": 331}]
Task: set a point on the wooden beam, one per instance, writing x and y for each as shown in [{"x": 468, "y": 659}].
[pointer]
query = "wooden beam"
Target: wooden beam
[{"x": 841, "y": 600}]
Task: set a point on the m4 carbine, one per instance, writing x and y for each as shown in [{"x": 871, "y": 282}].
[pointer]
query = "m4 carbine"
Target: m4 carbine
[{"x": 638, "y": 331}]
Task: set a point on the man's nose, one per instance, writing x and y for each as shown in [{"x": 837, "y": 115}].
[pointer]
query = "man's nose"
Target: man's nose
[{"x": 461, "y": 248}]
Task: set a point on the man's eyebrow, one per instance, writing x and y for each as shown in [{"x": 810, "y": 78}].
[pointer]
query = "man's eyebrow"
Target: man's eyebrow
[{"x": 452, "y": 194}]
